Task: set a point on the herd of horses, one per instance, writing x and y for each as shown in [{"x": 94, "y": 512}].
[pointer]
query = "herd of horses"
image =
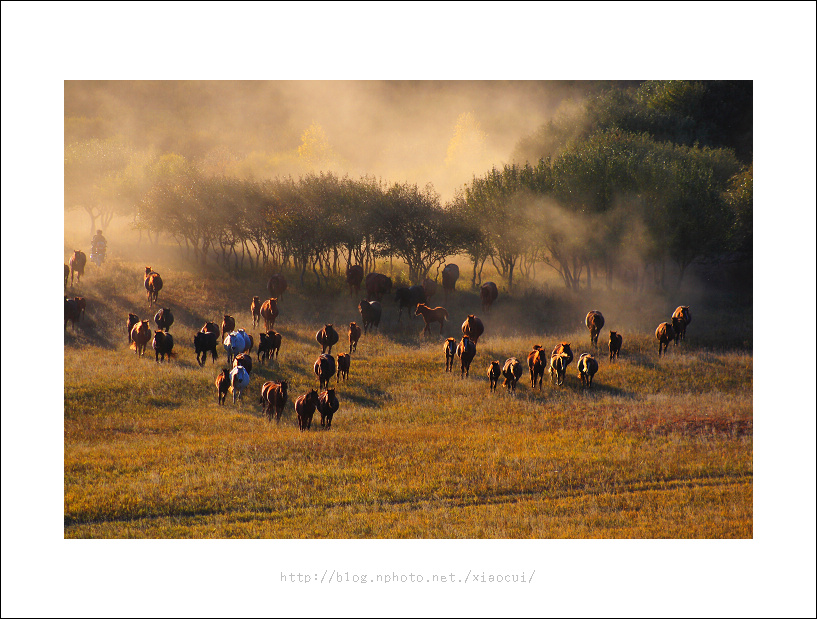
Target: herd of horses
[{"x": 238, "y": 344}]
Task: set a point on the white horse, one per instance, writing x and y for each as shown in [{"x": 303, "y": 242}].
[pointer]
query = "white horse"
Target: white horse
[
  {"x": 235, "y": 343},
  {"x": 239, "y": 381}
]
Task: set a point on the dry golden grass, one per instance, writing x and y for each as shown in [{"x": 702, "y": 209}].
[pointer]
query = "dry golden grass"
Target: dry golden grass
[{"x": 657, "y": 448}]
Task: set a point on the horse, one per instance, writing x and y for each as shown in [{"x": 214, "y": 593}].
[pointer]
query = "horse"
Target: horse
[
  {"x": 536, "y": 365},
  {"x": 162, "y": 345},
  {"x": 223, "y": 385},
  {"x": 274, "y": 397},
  {"x": 227, "y": 325},
  {"x": 327, "y": 406},
  {"x": 324, "y": 369},
  {"x": 269, "y": 344},
  {"x": 451, "y": 273},
  {"x": 255, "y": 310},
  {"x": 473, "y": 328},
  {"x": 450, "y": 351},
  {"x": 71, "y": 313},
  {"x": 466, "y": 350},
  {"x": 67, "y": 272},
  {"x": 327, "y": 337},
  {"x": 344, "y": 362},
  {"x": 438, "y": 314},
  {"x": 680, "y": 319},
  {"x": 594, "y": 322},
  {"x": 488, "y": 293},
  {"x": 664, "y": 334},
  {"x": 615, "y": 345},
  {"x": 237, "y": 342},
  {"x": 132, "y": 320},
  {"x": 494, "y": 372},
  {"x": 512, "y": 371},
  {"x": 563, "y": 349},
  {"x": 558, "y": 369},
  {"x": 408, "y": 298},
  {"x": 354, "y": 336},
  {"x": 163, "y": 319},
  {"x": 354, "y": 276},
  {"x": 244, "y": 360},
  {"x": 430, "y": 288},
  {"x": 76, "y": 263},
  {"x": 269, "y": 311},
  {"x": 203, "y": 343},
  {"x": 276, "y": 285},
  {"x": 140, "y": 335},
  {"x": 370, "y": 312},
  {"x": 377, "y": 285},
  {"x": 153, "y": 284},
  {"x": 239, "y": 381},
  {"x": 305, "y": 407},
  {"x": 211, "y": 327},
  {"x": 588, "y": 366}
]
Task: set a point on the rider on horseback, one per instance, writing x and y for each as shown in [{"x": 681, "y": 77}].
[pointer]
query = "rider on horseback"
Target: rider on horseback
[{"x": 98, "y": 245}]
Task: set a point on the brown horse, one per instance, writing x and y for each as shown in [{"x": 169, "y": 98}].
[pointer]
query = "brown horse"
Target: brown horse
[
  {"x": 488, "y": 293},
  {"x": 276, "y": 285},
  {"x": 324, "y": 369},
  {"x": 438, "y": 314},
  {"x": 274, "y": 397},
  {"x": 466, "y": 351},
  {"x": 354, "y": 277},
  {"x": 269, "y": 312},
  {"x": 141, "y": 336},
  {"x": 494, "y": 372},
  {"x": 344, "y": 362},
  {"x": 512, "y": 371},
  {"x": 594, "y": 322},
  {"x": 615, "y": 345},
  {"x": 536, "y": 365},
  {"x": 377, "y": 285},
  {"x": 223, "y": 385},
  {"x": 370, "y": 312},
  {"x": 451, "y": 273},
  {"x": 327, "y": 337},
  {"x": 153, "y": 284},
  {"x": 680, "y": 319},
  {"x": 664, "y": 334},
  {"x": 450, "y": 350},
  {"x": 588, "y": 366},
  {"x": 132, "y": 320},
  {"x": 255, "y": 310},
  {"x": 473, "y": 328},
  {"x": 305, "y": 407},
  {"x": 430, "y": 287},
  {"x": 560, "y": 359},
  {"x": 77, "y": 264},
  {"x": 227, "y": 325},
  {"x": 354, "y": 335},
  {"x": 269, "y": 345},
  {"x": 327, "y": 406}
]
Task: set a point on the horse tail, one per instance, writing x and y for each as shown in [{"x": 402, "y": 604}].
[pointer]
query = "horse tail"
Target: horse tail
[{"x": 445, "y": 314}]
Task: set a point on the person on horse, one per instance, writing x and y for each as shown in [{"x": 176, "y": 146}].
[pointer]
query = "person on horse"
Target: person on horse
[{"x": 98, "y": 243}]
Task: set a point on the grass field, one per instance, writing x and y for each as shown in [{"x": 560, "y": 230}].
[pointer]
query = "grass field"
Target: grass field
[{"x": 657, "y": 449}]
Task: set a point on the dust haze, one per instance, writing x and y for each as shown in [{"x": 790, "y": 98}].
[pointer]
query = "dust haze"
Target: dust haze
[{"x": 439, "y": 132}]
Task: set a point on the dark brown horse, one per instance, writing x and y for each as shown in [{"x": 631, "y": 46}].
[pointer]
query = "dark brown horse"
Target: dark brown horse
[
  {"x": 163, "y": 319},
  {"x": 488, "y": 293},
  {"x": 327, "y": 406},
  {"x": 276, "y": 285},
  {"x": 450, "y": 351},
  {"x": 438, "y": 314},
  {"x": 588, "y": 366},
  {"x": 223, "y": 385},
  {"x": 512, "y": 371},
  {"x": 494, "y": 372},
  {"x": 615, "y": 345},
  {"x": 344, "y": 362},
  {"x": 162, "y": 345},
  {"x": 324, "y": 369},
  {"x": 377, "y": 285},
  {"x": 680, "y": 319},
  {"x": 430, "y": 288},
  {"x": 132, "y": 320},
  {"x": 269, "y": 345},
  {"x": 327, "y": 337},
  {"x": 354, "y": 277},
  {"x": 370, "y": 312},
  {"x": 305, "y": 407},
  {"x": 451, "y": 273},
  {"x": 227, "y": 325},
  {"x": 537, "y": 364}
]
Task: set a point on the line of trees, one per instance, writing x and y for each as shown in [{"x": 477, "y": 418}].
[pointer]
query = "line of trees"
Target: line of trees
[{"x": 623, "y": 191}]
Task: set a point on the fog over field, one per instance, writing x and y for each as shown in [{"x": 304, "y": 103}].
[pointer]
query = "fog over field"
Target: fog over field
[{"x": 442, "y": 132}]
